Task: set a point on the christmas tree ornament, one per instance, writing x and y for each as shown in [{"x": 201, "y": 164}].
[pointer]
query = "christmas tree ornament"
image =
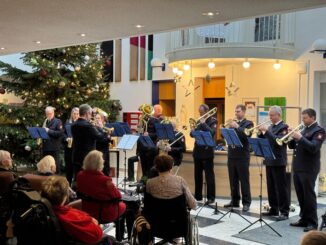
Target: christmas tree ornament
[
  {"x": 77, "y": 69},
  {"x": 108, "y": 62},
  {"x": 43, "y": 73},
  {"x": 2, "y": 91},
  {"x": 62, "y": 84},
  {"x": 86, "y": 57},
  {"x": 28, "y": 148}
]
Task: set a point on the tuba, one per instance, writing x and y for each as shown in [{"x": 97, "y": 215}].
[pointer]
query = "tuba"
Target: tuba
[
  {"x": 147, "y": 111},
  {"x": 288, "y": 137},
  {"x": 194, "y": 123}
]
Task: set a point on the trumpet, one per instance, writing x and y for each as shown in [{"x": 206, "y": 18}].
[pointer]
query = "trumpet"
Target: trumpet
[
  {"x": 194, "y": 123},
  {"x": 108, "y": 130},
  {"x": 249, "y": 131},
  {"x": 228, "y": 122},
  {"x": 288, "y": 137}
]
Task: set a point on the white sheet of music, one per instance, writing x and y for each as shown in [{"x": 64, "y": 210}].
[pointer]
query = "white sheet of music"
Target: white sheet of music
[{"x": 127, "y": 142}]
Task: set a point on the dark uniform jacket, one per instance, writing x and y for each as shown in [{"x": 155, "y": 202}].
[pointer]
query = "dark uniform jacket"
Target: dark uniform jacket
[
  {"x": 178, "y": 148},
  {"x": 306, "y": 155},
  {"x": 274, "y": 132},
  {"x": 241, "y": 152},
  {"x": 151, "y": 128},
  {"x": 85, "y": 135},
  {"x": 205, "y": 152},
  {"x": 55, "y": 135}
]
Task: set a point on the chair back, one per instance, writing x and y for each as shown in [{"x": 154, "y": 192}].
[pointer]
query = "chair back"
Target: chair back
[
  {"x": 6, "y": 179},
  {"x": 168, "y": 217},
  {"x": 35, "y": 181}
]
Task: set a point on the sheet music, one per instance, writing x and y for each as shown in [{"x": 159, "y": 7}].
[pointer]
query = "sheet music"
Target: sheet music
[{"x": 127, "y": 142}]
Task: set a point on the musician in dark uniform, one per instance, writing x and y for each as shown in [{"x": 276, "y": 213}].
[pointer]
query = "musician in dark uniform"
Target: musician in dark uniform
[
  {"x": 102, "y": 145},
  {"x": 277, "y": 190},
  {"x": 238, "y": 161},
  {"x": 306, "y": 166},
  {"x": 67, "y": 142},
  {"x": 203, "y": 158},
  {"x": 85, "y": 136},
  {"x": 53, "y": 127},
  {"x": 178, "y": 148},
  {"x": 147, "y": 155}
]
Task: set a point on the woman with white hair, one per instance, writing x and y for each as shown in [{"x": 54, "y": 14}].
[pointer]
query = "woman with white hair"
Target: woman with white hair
[
  {"x": 6, "y": 176},
  {"x": 46, "y": 166},
  {"x": 92, "y": 183}
]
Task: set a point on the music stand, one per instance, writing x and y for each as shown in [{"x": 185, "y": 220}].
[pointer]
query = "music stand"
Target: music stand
[
  {"x": 164, "y": 131},
  {"x": 38, "y": 133},
  {"x": 232, "y": 140},
  {"x": 204, "y": 138},
  {"x": 127, "y": 142},
  {"x": 263, "y": 149}
]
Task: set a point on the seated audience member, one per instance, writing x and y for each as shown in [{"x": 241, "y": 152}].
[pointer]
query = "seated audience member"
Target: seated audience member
[
  {"x": 77, "y": 224},
  {"x": 6, "y": 176},
  {"x": 46, "y": 166},
  {"x": 91, "y": 182},
  {"x": 314, "y": 238},
  {"x": 167, "y": 185}
]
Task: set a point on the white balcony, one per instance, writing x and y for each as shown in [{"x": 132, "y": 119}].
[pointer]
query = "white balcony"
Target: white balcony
[{"x": 269, "y": 37}]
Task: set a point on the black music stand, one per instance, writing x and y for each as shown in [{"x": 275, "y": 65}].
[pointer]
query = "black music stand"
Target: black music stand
[
  {"x": 164, "y": 131},
  {"x": 204, "y": 138},
  {"x": 127, "y": 142},
  {"x": 263, "y": 149},
  {"x": 232, "y": 140},
  {"x": 118, "y": 131}
]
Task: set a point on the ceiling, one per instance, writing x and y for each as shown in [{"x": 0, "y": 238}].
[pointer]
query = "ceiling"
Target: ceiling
[{"x": 60, "y": 23}]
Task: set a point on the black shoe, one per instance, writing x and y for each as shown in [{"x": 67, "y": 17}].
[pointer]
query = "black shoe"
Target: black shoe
[
  {"x": 210, "y": 201},
  {"x": 282, "y": 217},
  {"x": 299, "y": 223},
  {"x": 230, "y": 205},
  {"x": 270, "y": 213},
  {"x": 310, "y": 228},
  {"x": 245, "y": 208}
]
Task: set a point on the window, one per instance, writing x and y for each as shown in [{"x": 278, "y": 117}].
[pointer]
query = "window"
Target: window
[
  {"x": 267, "y": 28},
  {"x": 323, "y": 104}
]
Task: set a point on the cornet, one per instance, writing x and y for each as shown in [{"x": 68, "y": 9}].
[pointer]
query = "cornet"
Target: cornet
[
  {"x": 194, "y": 123},
  {"x": 249, "y": 131},
  {"x": 288, "y": 137},
  {"x": 228, "y": 122}
]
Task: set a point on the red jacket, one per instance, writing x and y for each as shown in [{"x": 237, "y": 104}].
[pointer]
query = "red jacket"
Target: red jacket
[
  {"x": 95, "y": 184},
  {"x": 78, "y": 224}
]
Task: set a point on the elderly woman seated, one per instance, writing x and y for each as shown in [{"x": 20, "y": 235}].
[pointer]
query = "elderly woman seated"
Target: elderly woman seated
[
  {"x": 99, "y": 194},
  {"x": 6, "y": 176},
  {"x": 46, "y": 166},
  {"x": 167, "y": 185},
  {"x": 77, "y": 224}
]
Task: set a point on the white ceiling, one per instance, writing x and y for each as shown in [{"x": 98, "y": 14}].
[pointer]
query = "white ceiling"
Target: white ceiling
[{"x": 59, "y": 23}]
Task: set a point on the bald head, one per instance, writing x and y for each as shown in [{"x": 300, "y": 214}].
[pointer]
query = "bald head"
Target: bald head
[{"x": 158, "y": 110}]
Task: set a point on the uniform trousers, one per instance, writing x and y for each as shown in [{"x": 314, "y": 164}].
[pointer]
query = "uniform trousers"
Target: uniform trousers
[
  {"x": 206, "y": 165},
  {"x": 277, "y": 189},
  {"x": 304, "y": 184},
  {"x": 239, "y": 172}
]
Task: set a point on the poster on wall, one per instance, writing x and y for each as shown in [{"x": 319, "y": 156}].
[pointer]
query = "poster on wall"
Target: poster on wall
[{"x": 251, "y": 107}]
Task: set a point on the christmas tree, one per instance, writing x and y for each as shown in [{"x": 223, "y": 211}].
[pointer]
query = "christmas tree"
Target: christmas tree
[{"x": 62, "y": 78}]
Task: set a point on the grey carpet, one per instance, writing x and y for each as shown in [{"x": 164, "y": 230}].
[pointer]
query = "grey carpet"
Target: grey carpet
[{"x": 290, "y": 235}]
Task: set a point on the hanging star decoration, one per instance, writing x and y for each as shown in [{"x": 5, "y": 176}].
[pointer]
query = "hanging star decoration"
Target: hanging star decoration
[{"x": 233, "y": 88}]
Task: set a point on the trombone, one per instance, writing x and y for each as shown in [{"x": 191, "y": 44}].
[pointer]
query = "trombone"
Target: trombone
[
  {"x": 249, "y": 131},
  {"x": 194, "y": 123},
  {"x": 288, "y": 137}
]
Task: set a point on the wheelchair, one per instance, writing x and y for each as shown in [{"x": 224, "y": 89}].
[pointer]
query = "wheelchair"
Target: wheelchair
[{"x": 168, "y": 219}]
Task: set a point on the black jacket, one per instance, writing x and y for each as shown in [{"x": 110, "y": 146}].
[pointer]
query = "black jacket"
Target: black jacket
[
  {"x": 151, "y": 128},
  {"x": 274, "y": 132},
  {"x": 55, "y": 134},
  {"x": 85, "y": 136},
  {"x": 306, "y": 155},
  {"x": 205, "y": 152},
  {"x": 241, "y": 152},
  {"x": 178, "y": 148}
]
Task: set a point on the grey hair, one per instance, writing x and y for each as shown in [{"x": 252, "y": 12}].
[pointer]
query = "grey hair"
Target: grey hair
[
  {"x": 49, "y": 108},
  {"x": 84, "y": 108},
  {"x": 277, "y": 109}
]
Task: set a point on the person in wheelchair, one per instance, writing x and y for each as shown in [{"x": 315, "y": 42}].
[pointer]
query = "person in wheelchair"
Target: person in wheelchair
[
  {"x": 77, "y": 224},
  {"x": 100, "y": 197},
  {"x": 6, "y": 175},
  {"x": 167, "y": 185},
  {"x": 46, "y": 166}
]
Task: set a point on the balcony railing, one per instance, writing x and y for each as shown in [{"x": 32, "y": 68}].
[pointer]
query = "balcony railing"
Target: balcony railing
[{"x": 275, "y": 31}]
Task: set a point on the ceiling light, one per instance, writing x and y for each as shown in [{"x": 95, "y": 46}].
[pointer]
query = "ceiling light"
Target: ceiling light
[
  {"x": 180, "y": 73},
  {"x": 38, "y": 42},
  {"x": 2, "y": 48},
  {"x": 211, "y": 65},
  {"x": 175, "y": 70},
  {"x": 186, "y": 67},
  {"x": 139, "y": 26},
  {"x": 210, "y": 14},
  {"x": 277, "y": 65},
  {"x": 82, "y": 34},
  {"x": 246, "y": 64}
]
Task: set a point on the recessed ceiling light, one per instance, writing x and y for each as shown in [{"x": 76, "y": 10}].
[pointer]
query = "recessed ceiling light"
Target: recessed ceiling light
[
  {"x": 82, "y": 34},
  {"x": 210, "y": 14},
  {"x": 2, "y": 48},
  {"x": 139, "y": 26},
  {"x": 38, "y": 42}
]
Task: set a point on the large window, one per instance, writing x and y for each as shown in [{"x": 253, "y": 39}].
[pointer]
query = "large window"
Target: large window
[
  {"x": 323, "y": 104},
  {"x": 267, "y": 28}
]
